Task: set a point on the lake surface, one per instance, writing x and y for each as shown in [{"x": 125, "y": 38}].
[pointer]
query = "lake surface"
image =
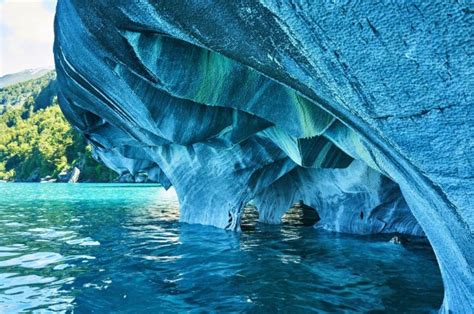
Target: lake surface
[{"x": 115, "y": 247}]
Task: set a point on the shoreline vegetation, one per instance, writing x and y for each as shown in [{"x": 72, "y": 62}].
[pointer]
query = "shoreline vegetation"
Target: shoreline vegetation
[{"x": 37, "y": 143}]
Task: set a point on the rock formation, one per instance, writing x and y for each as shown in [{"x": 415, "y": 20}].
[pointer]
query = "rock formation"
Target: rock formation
[
  {"x": 69, "y": 176},
  {"x": 363, "y": 111}
]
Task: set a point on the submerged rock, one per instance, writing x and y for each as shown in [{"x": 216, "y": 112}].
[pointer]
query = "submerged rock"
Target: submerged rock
[{"x": 362, "y": 110}]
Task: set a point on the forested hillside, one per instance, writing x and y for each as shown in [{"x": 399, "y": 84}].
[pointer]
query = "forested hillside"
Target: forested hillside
[
  {"x": 36, "y": 141},
  {"x": 26, "y": 75},
  {"x": 37, "y": 92}
]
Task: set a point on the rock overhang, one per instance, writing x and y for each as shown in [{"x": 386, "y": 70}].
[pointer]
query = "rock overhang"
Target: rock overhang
[{"x": 326, "y": 103}]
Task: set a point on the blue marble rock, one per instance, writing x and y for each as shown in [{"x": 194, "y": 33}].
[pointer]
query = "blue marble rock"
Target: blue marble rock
[{"x": 363, "y": 111}]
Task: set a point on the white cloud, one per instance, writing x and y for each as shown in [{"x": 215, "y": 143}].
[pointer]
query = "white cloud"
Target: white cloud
[{"x": 26, "y": 34}]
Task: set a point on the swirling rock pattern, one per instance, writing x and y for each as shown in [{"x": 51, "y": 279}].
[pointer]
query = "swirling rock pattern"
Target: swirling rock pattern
[{"x": 361, "y": 110}]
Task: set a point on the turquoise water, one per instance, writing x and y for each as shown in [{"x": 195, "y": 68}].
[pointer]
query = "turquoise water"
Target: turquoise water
[{"x": 120, "y": 248}]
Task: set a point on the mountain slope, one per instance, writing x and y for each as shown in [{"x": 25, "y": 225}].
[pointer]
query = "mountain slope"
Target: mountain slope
[
  {"x": 41, "y": 90},
  {"x": 26, "y": 75}
]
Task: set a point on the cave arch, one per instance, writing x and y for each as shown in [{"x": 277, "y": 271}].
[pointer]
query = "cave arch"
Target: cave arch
[
  {"x": 302, "y": 97},
  {"x": 305, "y": 214}
]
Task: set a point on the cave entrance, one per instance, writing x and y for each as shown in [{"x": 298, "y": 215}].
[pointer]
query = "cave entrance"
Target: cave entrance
[{"x": 301, "y": 214}]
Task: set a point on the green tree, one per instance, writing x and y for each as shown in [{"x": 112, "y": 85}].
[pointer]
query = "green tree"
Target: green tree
[{"x": 35, "y": 143}]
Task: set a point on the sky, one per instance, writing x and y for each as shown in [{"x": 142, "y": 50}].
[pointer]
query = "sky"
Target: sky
[{"x": 26, "y": 34}]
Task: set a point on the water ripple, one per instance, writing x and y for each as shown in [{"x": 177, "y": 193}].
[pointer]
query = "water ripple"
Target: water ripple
[
  {"x": 33, "y": 260},
  {"x": 120, "y": 248}
]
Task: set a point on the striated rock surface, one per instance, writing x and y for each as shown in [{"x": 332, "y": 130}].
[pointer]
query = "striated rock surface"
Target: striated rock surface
[{"x": 364, "y": 111}]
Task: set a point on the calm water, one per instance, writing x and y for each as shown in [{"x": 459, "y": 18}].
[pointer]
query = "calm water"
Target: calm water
[{"x": 114, "y": 247}]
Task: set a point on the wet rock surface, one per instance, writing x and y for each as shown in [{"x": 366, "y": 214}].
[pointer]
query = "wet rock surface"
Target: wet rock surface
[{"x": 362, "y": 111}]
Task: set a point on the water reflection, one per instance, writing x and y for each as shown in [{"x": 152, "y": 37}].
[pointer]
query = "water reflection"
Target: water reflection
[{"x": 121, "y": 248}]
